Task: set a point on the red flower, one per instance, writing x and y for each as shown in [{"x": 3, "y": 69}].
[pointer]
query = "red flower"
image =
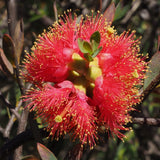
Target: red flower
[
  {"x": 115, "y": 92},
  {"x": 51, "y": 54},
  {"x": 95, "y": 74},
  {"x": 65, "y": 110}
]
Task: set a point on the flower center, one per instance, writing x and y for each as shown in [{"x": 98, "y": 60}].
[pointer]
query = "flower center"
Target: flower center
[{"x": 83, "y": 73}]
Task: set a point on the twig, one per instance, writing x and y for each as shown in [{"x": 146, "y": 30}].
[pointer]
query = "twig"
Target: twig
[
  {"x": 11, "y": 107},
  {"x": 11, "y": 121},
  {"x": 1, "y": 130},
  {"x": 15, "y": 113},
  {"x": 136, "y": 5},
  {"x": 12, "y": 16},
  {"x": 5, "y": 102},
  {"x": 12, "y": 22},
  {"x": 46, "y": 21},
  {"x": 21, "y": 127},
  {"x": 17, "y": 141},
  {"x": 34, "y": 127},
  {"x": 105, "y": 4},
  {"x": 146, "y": 121},
  {"x": 55, "y": 11},
  {"x": 11, "y": 145}
]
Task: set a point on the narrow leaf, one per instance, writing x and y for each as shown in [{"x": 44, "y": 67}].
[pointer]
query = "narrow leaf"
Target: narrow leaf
[
  {"x": 120, "y": 11},
  {"x": 154, "y": 69},
  {"x": 19, "y": 39},
  {"x": 9, "y": 48},
  {"x": 30, "y": 157},
  {"x": 45, "y": 153},
  {"x": 96, "y": 52},
  {"x": 5, "y": 64},
  {"x": 109, "y": 13}
]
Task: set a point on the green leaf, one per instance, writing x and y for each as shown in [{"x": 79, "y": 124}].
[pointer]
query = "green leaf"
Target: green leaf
[
  {"x": 80, "y": 45},
  {"x": 88, "y": 57},
  {"x": 45, "y": 153},
  {"x": 95, "y": 40},
  {"x": 87, "y": 47},
  {"x": 96, "y": 52},
  {"x": 91, "y": 49},
  {"x": 95, "y": 37},
  {"x": 84, "y": 46},
  {"x": 120, "y": 11},
  {"x": 154, "y": 69},
  {"x": 94, "y": 45}
]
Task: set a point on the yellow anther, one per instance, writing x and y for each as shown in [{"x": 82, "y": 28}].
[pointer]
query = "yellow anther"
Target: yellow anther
[
  {"x": 110, "y": 30},
  {"x": 92, "y": 85},
  {"x": 58, "y": 119},
  {"x": 76, "y": 74},
  {"x": 135, "y": 74}
]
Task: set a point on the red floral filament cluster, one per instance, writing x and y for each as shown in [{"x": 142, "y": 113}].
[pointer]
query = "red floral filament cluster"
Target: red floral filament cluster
[{"x": 85, "y": 94}]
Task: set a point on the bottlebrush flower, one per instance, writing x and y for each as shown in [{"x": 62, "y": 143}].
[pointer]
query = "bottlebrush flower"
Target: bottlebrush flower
[
  {"x": 95, "y": 75},
  {"x": 64, "y": 109}
]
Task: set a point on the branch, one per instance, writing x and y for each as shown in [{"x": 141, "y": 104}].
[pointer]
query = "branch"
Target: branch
[
  {"x": 11, "y": 121},
  {"x": 5, "y": 102},
  {"x": 147, "y": 121},
  {"x": 130, "y": 13},
  {"x": 19, "y": 140},
  {"x": 55, "y": 11},
  {"x": 11, "y": 145},
  {"x": 12, "y": 16},
  {"x": 27, "y": 135},
  {"x": 21, "y": 127},
  {"x": 1, "y": 130},
  {"x": 15, "y": 113},
  {"x": 11, "y": 107},
  {"x": 46, "y": 21}
]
